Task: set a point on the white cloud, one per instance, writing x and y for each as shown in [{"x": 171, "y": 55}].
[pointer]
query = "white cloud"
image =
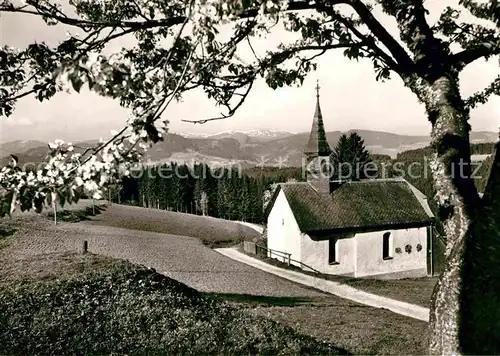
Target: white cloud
[{"x": 19, "y": 121}]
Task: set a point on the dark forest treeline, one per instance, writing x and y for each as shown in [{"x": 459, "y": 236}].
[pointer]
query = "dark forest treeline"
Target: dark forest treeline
[
  {"x": 223, "y": 192},
  {"x": 475, "y": 149},
  {"x": 239, "y": 194},
  {"x": 482, "y": 148},
  {"x": 415, "y": 167}
]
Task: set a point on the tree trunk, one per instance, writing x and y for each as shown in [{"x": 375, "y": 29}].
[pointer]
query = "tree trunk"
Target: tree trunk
[
  {"x": 450, "y": 139},
  {"x": 450, "y": 323},
  {"x": 54, "y": 205}
]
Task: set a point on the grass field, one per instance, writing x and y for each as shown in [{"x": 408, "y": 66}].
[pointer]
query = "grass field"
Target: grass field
[
  {"x": 360, "y": 329},
  {"x": 36, "y": 256},
  {"x": 211, "y": 231},
  {"x": 69, "y": 304},
  {"x": 357, "y": 328},
  {"x": 411, "y": 290}
]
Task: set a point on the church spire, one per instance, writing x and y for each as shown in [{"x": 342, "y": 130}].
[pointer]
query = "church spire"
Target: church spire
[{"x": 317, "y": 145}]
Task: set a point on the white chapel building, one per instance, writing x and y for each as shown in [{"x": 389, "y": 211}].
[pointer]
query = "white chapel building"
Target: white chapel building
[{"x": 379, "y": 228}]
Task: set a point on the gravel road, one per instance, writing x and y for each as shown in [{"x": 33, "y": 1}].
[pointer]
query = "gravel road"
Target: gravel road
[{"x": 183, "y": 258}]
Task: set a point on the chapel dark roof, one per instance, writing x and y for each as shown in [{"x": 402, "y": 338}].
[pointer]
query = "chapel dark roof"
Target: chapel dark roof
[
  {"x": 356, "y": 206},
  {"x": 317, "y": 144}
]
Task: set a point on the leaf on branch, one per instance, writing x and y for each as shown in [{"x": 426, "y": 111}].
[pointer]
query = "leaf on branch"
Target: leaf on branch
[
  {"x": 483, "y": 96},
  {"x": 6, "y": 109},
  {"x": 38, "y": 203},
  {"x": 14, "y": 160},
  {"x": 487, "y": 10},
  {"x": 353, "y": 52},
  {"x": 246, "y": 4},
  {"x": 26, "y": 198},
  {"x": 76, "y": 81},
  {"x": 62, "y": 198}
]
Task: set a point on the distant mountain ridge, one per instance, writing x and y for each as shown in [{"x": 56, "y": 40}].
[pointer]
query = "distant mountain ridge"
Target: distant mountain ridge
[
  {"x": 242, "y": 136},
  {"x": 20, "y": 146},
  {"x": 265, "y": 147}
]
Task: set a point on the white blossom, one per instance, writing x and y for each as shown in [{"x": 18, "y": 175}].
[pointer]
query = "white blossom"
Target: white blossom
[
  {"x": 90, "y": 186},
  {"x": 78, "y": 181}
]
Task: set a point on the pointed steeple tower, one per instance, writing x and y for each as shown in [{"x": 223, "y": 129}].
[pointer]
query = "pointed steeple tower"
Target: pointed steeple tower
[
  {"x": 318, "y": 153},
  {"x": 317, "y": 145}
]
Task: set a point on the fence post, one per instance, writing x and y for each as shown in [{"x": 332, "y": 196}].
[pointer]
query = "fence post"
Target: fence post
[
  {"x": 85, "y": 246},
  {"x": 289, "y": 255}
]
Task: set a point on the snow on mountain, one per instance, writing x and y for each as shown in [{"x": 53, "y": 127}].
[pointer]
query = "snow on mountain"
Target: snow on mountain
[
  {"x": 255, "y": 133},
  {"x": 267, "y": 133},
  {"x": 192, "y": 134}
]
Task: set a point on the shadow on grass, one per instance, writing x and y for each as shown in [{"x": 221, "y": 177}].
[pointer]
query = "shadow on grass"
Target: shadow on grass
[
  {"x": 77, "y": 215},
  {"x": 261, "y": 299},
  {"x": 256, "y": 301},
  {"x": 6, "y": 231},
  {"x": 221, "y": 243}
]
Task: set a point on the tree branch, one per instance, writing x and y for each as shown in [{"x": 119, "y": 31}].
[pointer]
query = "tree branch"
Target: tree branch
[
  {"x": 231, "y": 111},
  {"x": 80, "y": 23},
  {"x": 482, "y": 96},
  {"x": 142, "y": 25},
  {"x": 280, "y": 57},
  {"x": 404, "y": 61},
  {"x": 431, "y": 55},
  {"x": 370, "y": 43},
  {"x": 467, "y": 56}
]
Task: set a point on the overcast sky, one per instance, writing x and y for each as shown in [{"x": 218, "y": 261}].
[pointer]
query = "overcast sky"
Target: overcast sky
[{"x": 351, "y": 98}]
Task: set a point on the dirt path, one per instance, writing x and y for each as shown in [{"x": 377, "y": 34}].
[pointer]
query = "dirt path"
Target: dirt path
[{"x": 183, "y": 258}]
